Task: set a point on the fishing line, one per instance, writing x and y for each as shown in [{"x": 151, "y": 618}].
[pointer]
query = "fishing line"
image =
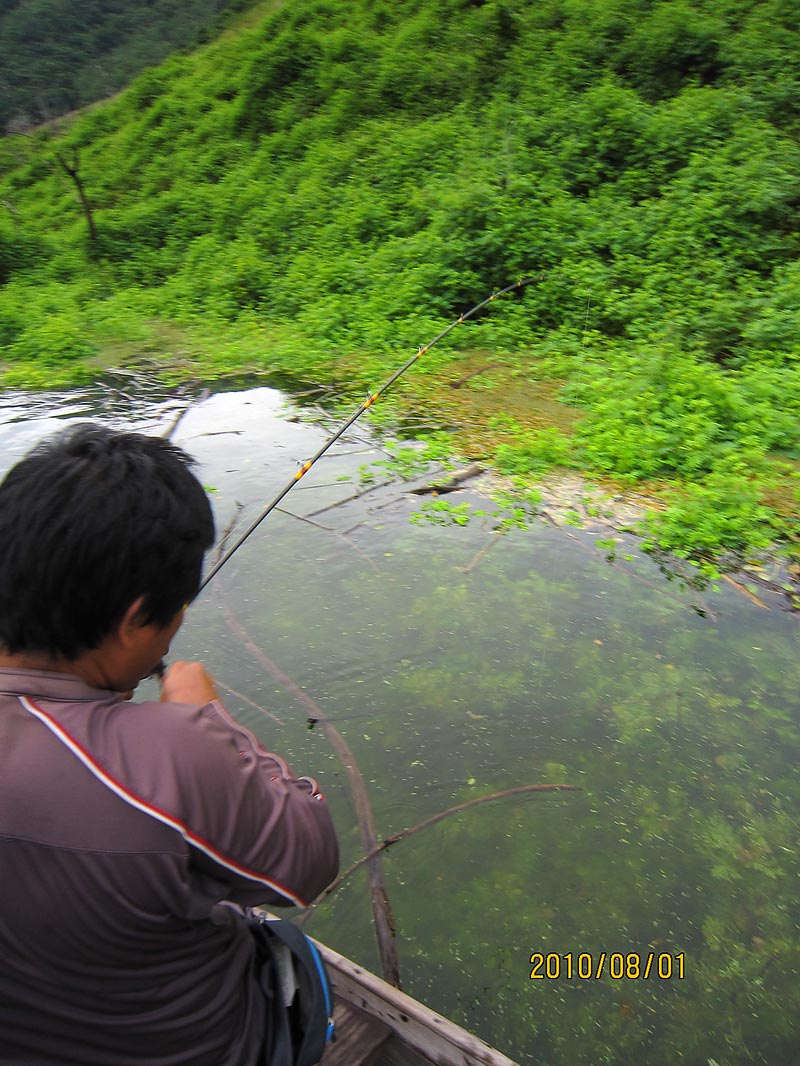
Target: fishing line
[{"x": 223, "y": 557}]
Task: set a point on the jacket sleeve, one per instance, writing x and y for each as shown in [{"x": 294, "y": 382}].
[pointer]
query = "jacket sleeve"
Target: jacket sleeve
[{"x": 264, "y": 834}]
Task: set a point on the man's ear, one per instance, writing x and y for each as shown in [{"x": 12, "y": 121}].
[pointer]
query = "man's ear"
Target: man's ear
[{"x": 131, "y": 623}]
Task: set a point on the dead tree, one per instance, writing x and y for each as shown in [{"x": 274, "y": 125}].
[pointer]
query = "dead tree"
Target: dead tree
[{"x": 72, "y": 170}]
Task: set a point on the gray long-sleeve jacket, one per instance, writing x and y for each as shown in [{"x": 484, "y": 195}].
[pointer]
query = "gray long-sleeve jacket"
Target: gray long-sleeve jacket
[{"x": 122, "y": 827}]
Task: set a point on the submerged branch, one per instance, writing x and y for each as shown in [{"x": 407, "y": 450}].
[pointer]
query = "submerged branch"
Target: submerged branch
[
  {"x": 171, "y": 428},
  {"x": 219, "y": 547},
  {"x": 250, "y": 703},
  {"x": 379, "y": 895},
  {"x": 592, "y": 550},
  {"x": 745, "y": 591},
  {"x": 349, "y": 499},
  {"x": 456, "y": 479},
  {"x": 336, "y": 532},
  {"x": 424, "y": 824},
  {"x": 496, "y": 534}
]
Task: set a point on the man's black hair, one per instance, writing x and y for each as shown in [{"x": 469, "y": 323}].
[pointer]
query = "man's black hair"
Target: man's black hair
[{"x": 89, "y": 521}]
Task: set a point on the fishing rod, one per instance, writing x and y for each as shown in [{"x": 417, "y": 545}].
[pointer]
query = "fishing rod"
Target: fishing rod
[{"x": 348, "y": 422}]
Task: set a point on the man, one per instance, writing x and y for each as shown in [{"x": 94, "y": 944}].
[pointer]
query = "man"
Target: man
[{"x": 124, "y": 826}]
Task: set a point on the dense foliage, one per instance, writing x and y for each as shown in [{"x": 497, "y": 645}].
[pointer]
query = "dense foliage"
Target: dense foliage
[
  {"x": 329, "y": 184},
  {"x": 59, "y": 55}
]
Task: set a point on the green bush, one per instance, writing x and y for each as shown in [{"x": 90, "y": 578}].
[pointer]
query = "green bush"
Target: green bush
[
  {"x": 52, "y": 343},
  {"x": 663, "y": 413},
  {"x": 534, "y": 453},
  {"x": 721, "y": 514}
]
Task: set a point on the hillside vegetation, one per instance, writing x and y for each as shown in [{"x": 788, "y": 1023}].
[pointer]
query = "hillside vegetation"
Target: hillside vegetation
[
  {"x": 59, "y": 55},
  {"x": 324, "y": 188}
]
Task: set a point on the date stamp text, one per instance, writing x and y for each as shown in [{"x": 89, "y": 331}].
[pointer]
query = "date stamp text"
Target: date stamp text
[{"x": 588, "y": 966}]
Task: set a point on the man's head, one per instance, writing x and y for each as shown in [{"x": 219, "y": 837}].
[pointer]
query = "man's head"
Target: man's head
[{"x": 92, "y": 523}]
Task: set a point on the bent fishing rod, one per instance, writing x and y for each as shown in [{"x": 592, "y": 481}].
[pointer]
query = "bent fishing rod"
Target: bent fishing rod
[
  {"x": 348, "y": 422},
  {"x": 223, "y": 557}
]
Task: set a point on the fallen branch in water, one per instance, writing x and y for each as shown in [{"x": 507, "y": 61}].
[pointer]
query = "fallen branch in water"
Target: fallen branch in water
[
  {"x": 167, "y": 434},
  {"x": 379, "y": 894},
  {"x": 784, "y": 583},
  {"x": 234, "y": 519},
  {"x": 349, "y": 499},
  {"x": 479, "y": 555},
  {"x": 336, "y": 532},
  {"x": 456, "y": 479},
  {"x": 745, "y": 591},
  {"x": 250, "y": 703},
  {"x": 424, "y": 824},
  {"x": 608, "y": 558}
]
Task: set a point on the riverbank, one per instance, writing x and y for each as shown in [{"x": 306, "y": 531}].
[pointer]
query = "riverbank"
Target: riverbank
[{"x": 514, "y": 415}]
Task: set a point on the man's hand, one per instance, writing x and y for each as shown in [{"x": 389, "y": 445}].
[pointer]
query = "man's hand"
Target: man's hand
[{"x": 188, "y": 683}]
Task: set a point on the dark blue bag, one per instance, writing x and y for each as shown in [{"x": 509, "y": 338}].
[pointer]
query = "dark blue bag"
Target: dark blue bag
[{"x": 297, "y": 992}]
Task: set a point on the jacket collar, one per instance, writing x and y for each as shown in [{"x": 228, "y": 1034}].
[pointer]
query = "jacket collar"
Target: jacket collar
[{"x": 51, "y": 686}]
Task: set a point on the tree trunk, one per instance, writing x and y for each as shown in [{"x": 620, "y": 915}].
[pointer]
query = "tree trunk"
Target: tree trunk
[{"x": 72, "y": 170}]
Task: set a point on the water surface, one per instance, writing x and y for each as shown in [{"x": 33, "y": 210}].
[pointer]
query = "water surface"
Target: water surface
[{"x": 452, "y": 672}]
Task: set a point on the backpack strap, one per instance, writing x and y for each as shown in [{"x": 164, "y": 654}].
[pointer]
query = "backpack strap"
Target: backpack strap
[{"x": 291, "y": 968}]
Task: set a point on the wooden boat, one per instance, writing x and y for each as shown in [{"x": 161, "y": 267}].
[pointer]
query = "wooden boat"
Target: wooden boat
[{"x": 377, "y": 1025}]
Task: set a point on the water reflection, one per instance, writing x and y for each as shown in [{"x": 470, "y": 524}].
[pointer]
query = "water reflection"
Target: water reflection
[{"x": 451, "y": 678}]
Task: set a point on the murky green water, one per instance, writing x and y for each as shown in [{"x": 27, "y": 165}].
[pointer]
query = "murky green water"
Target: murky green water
[{"x": 453, "y": 674}]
